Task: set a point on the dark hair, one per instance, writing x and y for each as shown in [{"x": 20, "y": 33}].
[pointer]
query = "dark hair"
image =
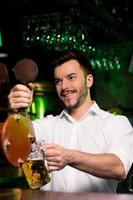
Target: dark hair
[{"x": 64, "y": 56}]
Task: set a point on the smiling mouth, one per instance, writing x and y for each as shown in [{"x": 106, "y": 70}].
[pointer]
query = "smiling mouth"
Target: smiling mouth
[{"x": 67, "y": 95}]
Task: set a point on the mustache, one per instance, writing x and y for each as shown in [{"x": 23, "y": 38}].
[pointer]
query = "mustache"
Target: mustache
[{"x": 64, "y": 92}]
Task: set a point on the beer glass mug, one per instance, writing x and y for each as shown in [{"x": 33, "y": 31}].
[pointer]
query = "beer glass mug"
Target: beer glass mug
[
  {"x": 34, "y": 168},
  {"x": 130, "y": 182}
]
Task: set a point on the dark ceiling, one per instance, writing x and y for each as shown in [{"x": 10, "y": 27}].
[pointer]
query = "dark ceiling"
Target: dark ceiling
[
  {"x": 109, "y": 21},
  {"x": 110, "y": 18}
]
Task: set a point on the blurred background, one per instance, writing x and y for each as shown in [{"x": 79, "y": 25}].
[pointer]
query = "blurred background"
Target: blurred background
[{"x": 101, "y": 29}]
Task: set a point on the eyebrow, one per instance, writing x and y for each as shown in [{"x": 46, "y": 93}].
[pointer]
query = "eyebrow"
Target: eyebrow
[
  {"x": 56, "y": 78},
  {"x": 72, "y": 74}
]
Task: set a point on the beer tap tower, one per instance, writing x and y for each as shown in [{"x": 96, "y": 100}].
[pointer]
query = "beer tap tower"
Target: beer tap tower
[{"x": 17, "y": 128}]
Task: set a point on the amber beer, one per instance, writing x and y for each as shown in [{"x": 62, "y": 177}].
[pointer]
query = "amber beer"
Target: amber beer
[
  {"x": 34, "y": 168},
  {"x": 36, "y": 173}
]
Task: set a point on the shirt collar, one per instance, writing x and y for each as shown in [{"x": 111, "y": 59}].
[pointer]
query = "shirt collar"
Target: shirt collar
[
  {"x": 96, "y": 110},
  {"x": 93, "y": 110}
]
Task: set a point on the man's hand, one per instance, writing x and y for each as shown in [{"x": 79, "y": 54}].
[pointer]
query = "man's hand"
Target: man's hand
[
  {"x": 57, "y": 156},
  {"x": 21, "y": 96}
]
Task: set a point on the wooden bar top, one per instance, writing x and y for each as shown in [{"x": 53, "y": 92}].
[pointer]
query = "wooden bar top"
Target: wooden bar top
[{"x": 24, "y": 194}]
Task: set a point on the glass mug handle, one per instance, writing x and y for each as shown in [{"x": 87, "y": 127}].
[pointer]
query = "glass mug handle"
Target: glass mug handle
[
  {"x": 130, "y": 182},
  {"x": 41, "y": 143}
]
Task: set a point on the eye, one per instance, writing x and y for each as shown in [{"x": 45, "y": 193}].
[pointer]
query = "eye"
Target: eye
[
  {"x": 57, "y": 81},
  {"x": 72, "y": 77}
]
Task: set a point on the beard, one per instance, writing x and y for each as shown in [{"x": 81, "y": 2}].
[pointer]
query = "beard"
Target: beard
[{"x": 79, "y": 99}]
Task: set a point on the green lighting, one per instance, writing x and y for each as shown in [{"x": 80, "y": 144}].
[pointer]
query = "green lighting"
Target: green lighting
[
  {"x": 115, "y": 111},
  {"x": 33, "y": 109},
  {"x": 1, "y": 43},
  {"x": 40, "y": 106}
]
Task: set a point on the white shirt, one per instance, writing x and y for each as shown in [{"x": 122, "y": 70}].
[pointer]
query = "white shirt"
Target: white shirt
[{"x": 96, "y": 132}]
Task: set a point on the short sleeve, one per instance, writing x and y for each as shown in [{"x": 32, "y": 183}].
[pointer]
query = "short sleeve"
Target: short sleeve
[{"x": 120, "y": 140}]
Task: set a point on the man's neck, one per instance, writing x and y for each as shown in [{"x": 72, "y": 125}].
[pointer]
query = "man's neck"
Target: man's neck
[{"x": 78, "y": 112}]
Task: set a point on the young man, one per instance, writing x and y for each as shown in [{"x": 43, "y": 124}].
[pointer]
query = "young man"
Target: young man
[{"x": 86, "y": 148}]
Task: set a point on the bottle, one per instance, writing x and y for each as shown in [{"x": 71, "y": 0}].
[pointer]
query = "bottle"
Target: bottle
[{"x": 34, "y": 168}]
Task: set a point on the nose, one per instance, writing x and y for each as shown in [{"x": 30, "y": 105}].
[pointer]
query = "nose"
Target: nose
[{"x": 64, "y": 84}]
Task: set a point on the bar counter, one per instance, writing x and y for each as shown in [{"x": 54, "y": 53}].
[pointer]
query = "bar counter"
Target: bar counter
[{"x": 26, "y": 194}]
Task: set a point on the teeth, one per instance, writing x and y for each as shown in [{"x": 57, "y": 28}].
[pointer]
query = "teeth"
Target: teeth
[{"x": 68, "y": 94}]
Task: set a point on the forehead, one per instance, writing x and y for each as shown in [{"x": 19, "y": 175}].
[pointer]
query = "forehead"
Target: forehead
[{"x": 71, "y": 66}]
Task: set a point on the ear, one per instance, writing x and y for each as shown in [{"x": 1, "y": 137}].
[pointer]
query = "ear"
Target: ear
[{"x": 89, "y": 80}]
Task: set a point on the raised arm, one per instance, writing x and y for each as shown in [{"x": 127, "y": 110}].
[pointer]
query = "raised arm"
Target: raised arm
[{"x": 21, "y": 96}]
